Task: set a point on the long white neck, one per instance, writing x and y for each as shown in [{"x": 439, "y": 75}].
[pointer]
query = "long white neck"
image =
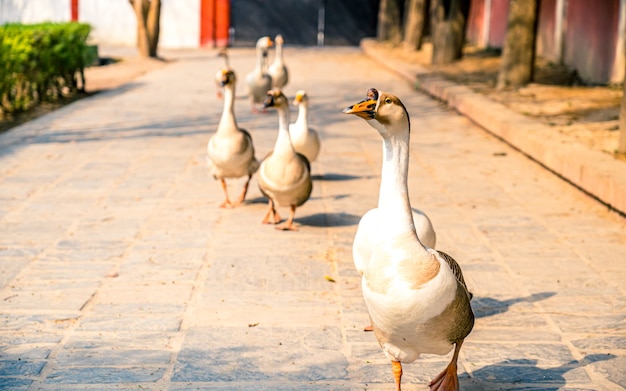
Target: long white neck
[
  {"x": 260, "y": 60},
  {"x": 279, "y": 53},
  {"x": 302, "y": 121},
  {"x": 283, "y": 141},
  {"x": 228, "y": 122},
  {"x": 393, "y": 199}
]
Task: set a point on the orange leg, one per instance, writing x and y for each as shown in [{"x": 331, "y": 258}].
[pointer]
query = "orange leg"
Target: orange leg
[
  {"x": 448, "y": 380},
  {"x": 288, "y": 226},
  {"x": 242, "y": 196},
  {"x": 272, "y": 216},
  {"x": 226, "y": 203},
  {"x": 396, "y": 368}
]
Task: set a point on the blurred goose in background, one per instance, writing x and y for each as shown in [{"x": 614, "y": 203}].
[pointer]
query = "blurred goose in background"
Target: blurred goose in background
[
  {"x": 416, "y": 296},
  {"x": 259, "y": 81},
  {"x": 223, "y": 53},
  {"x": 278, "y": 70},
  {"x": 303, "y": 138},
  {"x": 230, "y": 150},
  {"x": 285, "y": 175}
]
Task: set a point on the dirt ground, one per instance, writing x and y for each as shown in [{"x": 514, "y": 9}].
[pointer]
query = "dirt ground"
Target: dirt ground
[{"x": 579, "y": 113}]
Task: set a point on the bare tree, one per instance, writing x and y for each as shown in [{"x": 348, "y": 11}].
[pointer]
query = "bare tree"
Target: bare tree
[
  {"x": 518, "y": 54},
  {"x": 148, "y": 14},
  {"x": 390, "y": 21},
  {"x": 448, "y": 20},
  {"x": 414, "y": 23}
]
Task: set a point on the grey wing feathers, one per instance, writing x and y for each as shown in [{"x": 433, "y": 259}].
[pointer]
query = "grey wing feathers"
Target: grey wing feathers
[{"x": 456, "y": 269}]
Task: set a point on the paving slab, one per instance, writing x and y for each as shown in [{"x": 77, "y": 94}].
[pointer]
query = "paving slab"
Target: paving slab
[{"x": 118, "y": 270}]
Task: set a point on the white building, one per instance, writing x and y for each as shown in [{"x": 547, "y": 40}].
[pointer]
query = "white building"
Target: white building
[{"x": 113, "y": 21}]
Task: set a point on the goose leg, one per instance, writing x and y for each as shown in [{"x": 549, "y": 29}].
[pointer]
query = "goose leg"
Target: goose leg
[
  {"x": 272, "y": 216},
  {"x": 396, "y": 367},
  {"x": 288, "y": 226},
  {"x": 242, "y": 196},
  {"x": 226, "y": 203},
  {"x": 448, "y": 380}
]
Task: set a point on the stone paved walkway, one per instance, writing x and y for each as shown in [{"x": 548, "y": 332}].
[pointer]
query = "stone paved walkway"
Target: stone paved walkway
[{"x": 119, "y": 271}]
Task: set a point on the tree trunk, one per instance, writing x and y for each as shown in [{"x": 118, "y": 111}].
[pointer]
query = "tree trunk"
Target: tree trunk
[
  {"x": 390, "y": 21},
  {"x": 148, "y": 15},
  {"x": 448, "y": 20},
  {"x": 621, "y": 144},
  {"x": 414, "y": 23},
  {"x": 142, "y": 33},
  {"x": 518, "y": 54},
  {"x": 153, "y": 24}
]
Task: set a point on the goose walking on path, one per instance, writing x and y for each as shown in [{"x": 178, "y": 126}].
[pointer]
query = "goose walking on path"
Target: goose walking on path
[
  {"x": 416, "y": 296},
  {"x": 230, "y": 150},
  {"x": 259, "y": 81},
  {"x": 304, "y": 139},
  {"x": 285, "y": 175},
  {"x": 278, "y": 70}
]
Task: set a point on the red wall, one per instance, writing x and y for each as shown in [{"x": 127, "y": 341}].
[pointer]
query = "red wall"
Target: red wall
[
  {"x": 475, "y": 22},
  {"x": 74, "y": 11},
  {"x": 499, "y": 18},
  {"x": 591, "y": 38},
  {"x": 214, "y": 22}
]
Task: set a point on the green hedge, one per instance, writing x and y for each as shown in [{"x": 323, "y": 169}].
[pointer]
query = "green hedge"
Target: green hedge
[{"x": 40, "y": 62}]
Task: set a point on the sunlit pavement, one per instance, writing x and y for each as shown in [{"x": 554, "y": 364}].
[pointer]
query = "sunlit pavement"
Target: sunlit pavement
[{"x": 119, "y": 271}]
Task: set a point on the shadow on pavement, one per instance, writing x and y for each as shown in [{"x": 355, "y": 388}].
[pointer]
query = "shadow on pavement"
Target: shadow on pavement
[
  {"x": 334, "y": 177},
  {"x": 525, "y": 375},
  {"x": 329, "y": 220},
  {"x": 486, "y": 306}
]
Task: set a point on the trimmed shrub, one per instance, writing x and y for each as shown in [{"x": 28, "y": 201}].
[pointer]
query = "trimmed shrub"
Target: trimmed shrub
[{"x": 40, "y": 62}]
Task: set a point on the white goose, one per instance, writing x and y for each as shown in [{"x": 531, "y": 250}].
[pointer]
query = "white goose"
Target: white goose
[
  {"x": 230, "y": 150},
  {"x": 285, "y": 175},
  {"x": 259, "y": 81},
  {"x": 416, "y": 296},
  {"x": 304, "y": 139},
  {"x": 366, "y": 238},
  {"x": 278, "y": 70}
]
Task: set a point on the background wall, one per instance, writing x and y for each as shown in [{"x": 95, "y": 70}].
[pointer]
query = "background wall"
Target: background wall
[
  {"x": 34, "y": 11},
  {"x": 113, "y": 21}
]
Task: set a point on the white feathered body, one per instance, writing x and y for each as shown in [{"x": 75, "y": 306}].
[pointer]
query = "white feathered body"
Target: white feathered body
[
  {"x": 231, "y": 156},
  {"x": 404, "y": 314},
  {"x": 367, "y": 237}
]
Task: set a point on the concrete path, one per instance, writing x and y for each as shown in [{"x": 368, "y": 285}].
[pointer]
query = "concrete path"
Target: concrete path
[{"x": 119, "y": 271}]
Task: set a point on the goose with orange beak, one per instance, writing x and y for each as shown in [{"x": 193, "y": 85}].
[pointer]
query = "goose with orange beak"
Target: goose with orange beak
[
  {"x": 304, "y": 138},
  {"x": 230, "y": 151},
  {"x": 284, "y": 175},
  {"x": 416, "y": 296}
]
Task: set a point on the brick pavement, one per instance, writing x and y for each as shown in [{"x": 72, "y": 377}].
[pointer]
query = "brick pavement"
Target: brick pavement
[{"x": 119, "y": 271}]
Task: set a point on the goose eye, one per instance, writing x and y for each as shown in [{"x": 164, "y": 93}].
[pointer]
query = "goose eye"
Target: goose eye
[{"x": 388, "y": 100}]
